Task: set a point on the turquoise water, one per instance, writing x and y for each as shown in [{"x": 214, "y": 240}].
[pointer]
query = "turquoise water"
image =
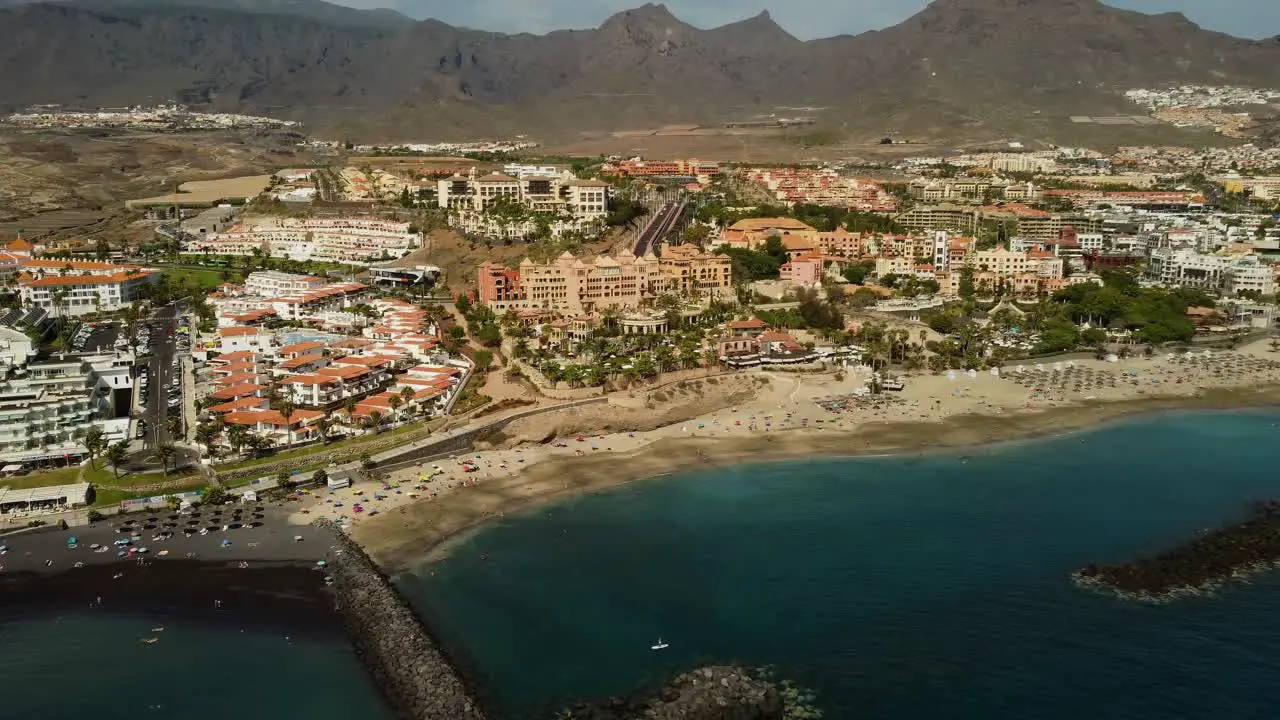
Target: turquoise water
[
  {"x": 94, "y": 666},
  {"x": 912, "y": 587}
]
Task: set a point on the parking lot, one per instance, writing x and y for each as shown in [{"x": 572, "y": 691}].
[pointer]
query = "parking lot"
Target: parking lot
[{"x": 97, "y": 337}]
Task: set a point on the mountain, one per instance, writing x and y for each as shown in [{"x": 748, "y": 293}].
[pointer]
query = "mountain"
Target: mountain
[
  {"x": 975, "y": 62},
  {"x": 313, "y": 9}
]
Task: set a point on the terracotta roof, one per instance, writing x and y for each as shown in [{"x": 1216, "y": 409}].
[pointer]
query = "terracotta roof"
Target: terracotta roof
[
  {"x": 237, "y": 331},
  {"x": 56, "y": 280},
  {"x": 301, "y": 348},
  {"x": 251, "y": 377},
  {"x": 271, "y": 417},
  {"x": 757, "y": 224},
  {"x": 237, "y": 391},
  {"x": 240, "y": 404},
  {"x": 19, "y": 244},
  {"x": 752, "y": 324},
  {"x": 52, "y": 264},
  {"x": 348, "y": 372},
  {"x": 234, "y": 368},
  {"x": 234, "y": 357},
  {"x": 368, "y": 361},
  {"x": 436, "y": 370},
  {"x": 310, "y": 380},
  {"x": 294, "y": 363}
]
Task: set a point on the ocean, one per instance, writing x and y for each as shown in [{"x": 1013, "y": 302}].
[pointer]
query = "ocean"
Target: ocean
[
  {"x": 71, "y": 666},
  {"x": 912, "y": 587}
]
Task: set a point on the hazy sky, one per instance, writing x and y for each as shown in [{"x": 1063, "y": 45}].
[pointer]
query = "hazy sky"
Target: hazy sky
[{"x": 803, "y": 18}]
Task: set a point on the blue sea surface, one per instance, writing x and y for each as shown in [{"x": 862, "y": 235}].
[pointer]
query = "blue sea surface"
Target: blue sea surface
[
  {"x": 928, "y": 586},
  {"x": 82, "y": 665}
]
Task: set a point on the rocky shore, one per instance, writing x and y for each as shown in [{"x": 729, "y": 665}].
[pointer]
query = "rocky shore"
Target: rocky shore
[
  {"x": 413, "y": 674},
  {"x": 709, "y": 693},
  {"x": 1200, "y": 566}
]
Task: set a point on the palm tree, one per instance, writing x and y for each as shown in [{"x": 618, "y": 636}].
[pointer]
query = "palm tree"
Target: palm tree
[
  {"x": 286, "y": 408},
  {"x": 116, "y": 455},
  {"x": 322, "y": 427},
  {"x": 395, "y": 402},
  {"x": 174, "y": 426},
  {"x": 238, "y": 437},
  {"x": 166, "y": 453},
  {"x": 94, "y": 442},
  {"x": 375, "y": 421}
]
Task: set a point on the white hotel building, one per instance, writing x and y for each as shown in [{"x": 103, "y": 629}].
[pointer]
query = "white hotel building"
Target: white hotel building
[
  {"x": 347, "y": 240},
  {"x": 63, "y": 287}
]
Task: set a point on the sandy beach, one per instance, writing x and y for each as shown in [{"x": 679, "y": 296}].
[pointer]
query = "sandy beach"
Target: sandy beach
[{"x": 429, "y": 508}]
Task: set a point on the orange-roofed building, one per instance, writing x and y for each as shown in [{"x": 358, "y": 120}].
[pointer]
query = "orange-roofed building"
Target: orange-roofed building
[
  {"x": 242, "y": 339},
  {"x": 244, "y": 403},
  {"x": 302, "y": 348},
  {"x": 85, "y": 288},
  {"x": 300, "y": 427},
  {"x": 19, "y": 246},
  {"x": 234, "y": 357},
  {"x": 238, "y": 391}
]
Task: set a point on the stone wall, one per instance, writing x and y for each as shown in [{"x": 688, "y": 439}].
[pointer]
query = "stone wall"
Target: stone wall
[{"x": 413, "y": 674}]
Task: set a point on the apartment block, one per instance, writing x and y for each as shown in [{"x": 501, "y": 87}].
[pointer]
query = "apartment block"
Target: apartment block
[
  {"x": 64, "y": 287},
  {"x": 346, "y": 240},
  {"x": 273, "y": 283},
  {"x": 1212, "y": 273},
  {"x": 576, "y": 286}
]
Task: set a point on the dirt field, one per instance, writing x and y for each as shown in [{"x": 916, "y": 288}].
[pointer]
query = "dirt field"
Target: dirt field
[{"x": 43, "y": 171}]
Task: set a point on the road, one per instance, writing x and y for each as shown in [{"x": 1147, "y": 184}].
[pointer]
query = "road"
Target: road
[
  {"x": 163, "y": 322},
  {"x": 658, "y": 226}
]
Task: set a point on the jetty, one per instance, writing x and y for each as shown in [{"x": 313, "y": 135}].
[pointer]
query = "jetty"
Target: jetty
[
  {"x": 1208, "y": 561},
  {"x": 416, "y": 678}
]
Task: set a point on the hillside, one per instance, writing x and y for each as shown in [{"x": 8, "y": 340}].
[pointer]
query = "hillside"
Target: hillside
[{"x": 984, "y": 63}]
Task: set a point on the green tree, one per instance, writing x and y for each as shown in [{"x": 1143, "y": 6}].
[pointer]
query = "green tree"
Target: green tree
[
  {"x": 484, "y": 361},
  {"x": 214, "y": 496},
  {"x": 238, "y": 437},
  {"x": 116, "y": 455},
  {"x": 966, "y": 289},
  {"x": 94, "y": 442},
  {"x": 165, "y": 453},
  {"x": 286, "y": 408}
]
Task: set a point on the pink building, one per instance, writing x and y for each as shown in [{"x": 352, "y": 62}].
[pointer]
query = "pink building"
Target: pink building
[{"x": 805, "y": 270}]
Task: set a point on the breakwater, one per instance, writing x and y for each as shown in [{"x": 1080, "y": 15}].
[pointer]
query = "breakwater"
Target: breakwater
[
  {"x": 1208, "y": 561},
  {"x": 412, "y": 672},
  {"x": 708, "y": 693}
]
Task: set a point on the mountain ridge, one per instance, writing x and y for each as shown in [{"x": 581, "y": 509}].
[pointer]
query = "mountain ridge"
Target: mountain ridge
[{"x": 968, "y": 61}]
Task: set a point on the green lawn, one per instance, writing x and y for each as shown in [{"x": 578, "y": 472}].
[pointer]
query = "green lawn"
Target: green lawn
[
  {"x": 109, "y": 490},
  {"x": 110, "y": 496},
  {"x": 205, "y": 279},
  {"x": 44, "y": 478}
]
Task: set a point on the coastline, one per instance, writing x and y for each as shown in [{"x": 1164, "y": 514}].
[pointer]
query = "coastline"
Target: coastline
[{"x": 427, "y": 531}]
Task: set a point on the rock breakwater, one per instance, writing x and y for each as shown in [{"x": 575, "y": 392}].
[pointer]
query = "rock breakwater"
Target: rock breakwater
[
  {"x": 413, "y": 674},
  {"x": 1208, "y": 561},
  {"x": 709, "y": 693}
]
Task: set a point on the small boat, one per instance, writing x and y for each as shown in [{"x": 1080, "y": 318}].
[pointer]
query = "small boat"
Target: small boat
[
  {"x": 660, "y": 646},
  {"x": 158, "y": 629},
  {"x": 151, "y": 641}
]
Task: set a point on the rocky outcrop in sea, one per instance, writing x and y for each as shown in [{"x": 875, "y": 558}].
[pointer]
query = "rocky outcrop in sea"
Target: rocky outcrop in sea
[
  {"x": 709, "y": 693},
  {"x": 413, "y": 674}
]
